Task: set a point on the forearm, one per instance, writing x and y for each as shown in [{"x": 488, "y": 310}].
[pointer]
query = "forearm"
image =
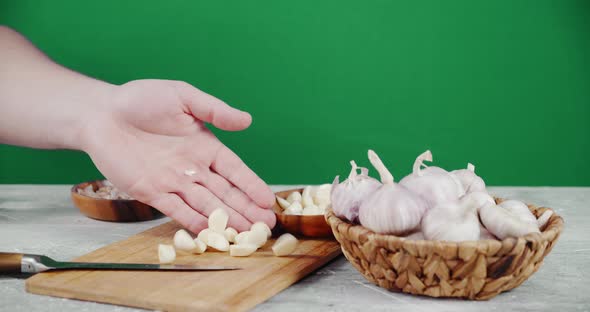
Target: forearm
[{"x": 42, "y": 104}]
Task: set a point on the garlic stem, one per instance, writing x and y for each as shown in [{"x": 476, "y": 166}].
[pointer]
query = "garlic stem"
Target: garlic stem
[
  {"x": 352, "y": 173},
  {"x": 426, "y": 156},
  {"x": 470, "y": 167},
  {"x": 386, "y": 177}
]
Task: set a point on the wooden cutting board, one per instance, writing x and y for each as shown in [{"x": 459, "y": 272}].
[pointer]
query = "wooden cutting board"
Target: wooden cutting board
[{"x": 263, "y": 275}]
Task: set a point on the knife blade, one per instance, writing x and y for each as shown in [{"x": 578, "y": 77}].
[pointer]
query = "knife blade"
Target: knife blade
[{"x": 30, "y": 263}]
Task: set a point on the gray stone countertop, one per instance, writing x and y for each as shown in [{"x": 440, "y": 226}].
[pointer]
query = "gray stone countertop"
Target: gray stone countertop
[{"x": 41, "y": 219}]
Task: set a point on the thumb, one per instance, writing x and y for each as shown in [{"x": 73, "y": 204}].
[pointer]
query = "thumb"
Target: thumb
[{"x": 210, "y": 109}]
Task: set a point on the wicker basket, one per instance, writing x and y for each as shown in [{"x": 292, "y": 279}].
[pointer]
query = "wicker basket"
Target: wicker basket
[{"x": 476, "y": 270}]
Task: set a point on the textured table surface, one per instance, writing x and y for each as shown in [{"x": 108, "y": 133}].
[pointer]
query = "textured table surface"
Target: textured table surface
[{"x": 41, "y": 219}]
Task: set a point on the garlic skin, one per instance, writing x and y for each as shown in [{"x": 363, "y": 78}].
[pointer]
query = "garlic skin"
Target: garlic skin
[
  {"x": 346, "y": 197},
  {"x": 453, "y": 221},
  {"x": 504, "y": 223},
  {"x": 415, "y": 236},
  {"x": 484, "y": 233},
  {"x": 434, "y": 184},
  {"x": 392, "y": 209},
  {"x": 477, "y": 199},
  {"x": 470, "y": 181},
  {"x": 520, "y": 209}
]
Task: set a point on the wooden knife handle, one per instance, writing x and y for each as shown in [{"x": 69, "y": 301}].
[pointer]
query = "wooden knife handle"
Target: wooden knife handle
[{"x": 10, "y": 262}]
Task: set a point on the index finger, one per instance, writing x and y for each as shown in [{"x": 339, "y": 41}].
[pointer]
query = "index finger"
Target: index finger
[{"x": 227, "y": 164}]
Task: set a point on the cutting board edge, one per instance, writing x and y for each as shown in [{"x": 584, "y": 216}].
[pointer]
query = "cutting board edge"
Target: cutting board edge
[
  {"x": 56, "y": 292},
  {"x": 286, "y": 283}
]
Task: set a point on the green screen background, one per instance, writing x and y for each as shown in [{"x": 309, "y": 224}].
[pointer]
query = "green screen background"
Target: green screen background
[{"x": 503, "y": 84}]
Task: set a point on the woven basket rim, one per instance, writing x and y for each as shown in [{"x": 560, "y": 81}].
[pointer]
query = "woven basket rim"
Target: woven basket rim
[{"x": 553, "y": 227}]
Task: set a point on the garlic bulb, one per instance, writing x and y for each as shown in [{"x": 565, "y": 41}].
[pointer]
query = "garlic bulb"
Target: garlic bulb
[
  {"x": 415, "y": 236},
  {"x": 477, "y": 199},
  {"x": 520, "y": 209},
  {"x": 470, "y": 181},
  {"x": 392, "y": 209},
  {"x": 452, "y": 221},
  {"x": 347, "y": 196},
  {"x": 484, "y": 233},
  {"x": 503, "y": 222},
  {"x": 434, "y": 184}
]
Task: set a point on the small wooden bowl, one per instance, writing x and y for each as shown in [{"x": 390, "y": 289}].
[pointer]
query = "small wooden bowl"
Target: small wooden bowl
[
  {"x": 115, "y": 210},
  {"x": 310, "y": 226}
]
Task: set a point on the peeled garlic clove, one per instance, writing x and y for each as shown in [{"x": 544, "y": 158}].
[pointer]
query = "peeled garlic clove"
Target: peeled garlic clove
[
  {"x": 470, "y": 181},
  {"x": 284, "y": 245},
  {"x": 184, "y": 241},
  {"x": 294, "y": 197},
  {"x": 434, "y": 184},
  {"x": 544, "y": 218},
  {"x": 257, "y": 238},
  {"x": 166, "y": 253},
  {"x": 392, "y": 209},
  {"x": 451, "y": 222},
  {"x": 323, "y": 207},
  {"x": 230, "y": 234},
  {"x": 504, "y": 223},
  {"x": 306, "y": 199},
  {"x": 321, "y": 194},
  {"x": 294, "y": 209},
  {"x": 283, "y": 202},
  {"x": 217, "y": 241},
  {"x": 203, "y": 235},
  {"x": 477, "y": 199},
  {"x": 520, "y": 209},
  {"x": 242, "y": 238},
  {"x": 312, "y": 210},
  {"x": 201, "y": 246},
  {"x": 261, "y": 226},
  {"x": 347, "y": 197},
  {"x": 218, "y": 220},
  {"x": 243, "y": 250}
]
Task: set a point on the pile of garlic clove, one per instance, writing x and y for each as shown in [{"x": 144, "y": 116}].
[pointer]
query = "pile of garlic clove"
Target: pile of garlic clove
[
  {"x": 106, "y": 191},
  {"x": 430, "y": 204},
  {"x": 222, "y": 238},
  {"x": 314, "y": 200}
]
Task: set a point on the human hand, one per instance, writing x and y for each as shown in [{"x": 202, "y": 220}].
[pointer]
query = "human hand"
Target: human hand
[{"x": 149, "y": 139}]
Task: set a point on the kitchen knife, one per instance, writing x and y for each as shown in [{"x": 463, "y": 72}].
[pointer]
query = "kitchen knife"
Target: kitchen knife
[{"x": 29, "y": 263}]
